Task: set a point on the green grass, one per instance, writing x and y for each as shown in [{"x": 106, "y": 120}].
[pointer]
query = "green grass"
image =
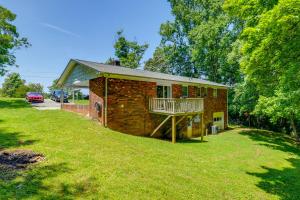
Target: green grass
[
  {"x": 87, "y": 161},
  {"x": 82, "y": 102}
]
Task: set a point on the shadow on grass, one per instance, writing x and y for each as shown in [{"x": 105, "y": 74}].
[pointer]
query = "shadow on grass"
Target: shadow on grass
[
  {"x": 273, "y": 140},
  {"x": 188, "y": 141},
  {"x": 36, "y": 183},
  {"x": 13, "y": 103},
  {"x": 284, "y": 183},
  {"x": 12, "y": 139}
]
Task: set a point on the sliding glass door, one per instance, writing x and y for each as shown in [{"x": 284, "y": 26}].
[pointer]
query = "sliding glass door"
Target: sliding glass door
[{"x": 163, "y": 91}]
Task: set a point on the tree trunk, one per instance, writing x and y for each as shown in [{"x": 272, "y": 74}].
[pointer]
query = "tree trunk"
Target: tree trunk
[{"x": 295, "y": 129}]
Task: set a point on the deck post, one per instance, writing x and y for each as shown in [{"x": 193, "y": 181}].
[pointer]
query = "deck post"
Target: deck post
[
  {"x": 62, "y": 95},
  {"x": 73, "y": 95},
  {"x": 202, "y": 126},
  {"x": 173, "y": 102},
  {"x": 173, "y": 129}
]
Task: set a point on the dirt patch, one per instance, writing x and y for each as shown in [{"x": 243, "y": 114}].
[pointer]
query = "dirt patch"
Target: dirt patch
[{"x": 19, "y": 159}]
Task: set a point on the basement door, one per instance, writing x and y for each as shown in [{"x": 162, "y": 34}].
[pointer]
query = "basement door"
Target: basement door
[{"x": 218, "y": 119}]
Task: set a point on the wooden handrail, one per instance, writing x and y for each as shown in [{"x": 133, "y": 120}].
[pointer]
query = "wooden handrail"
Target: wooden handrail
[{"x": 176, "y": 105}]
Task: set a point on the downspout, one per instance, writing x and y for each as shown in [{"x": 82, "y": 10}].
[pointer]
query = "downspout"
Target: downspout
[
  {"x": 227, "y": 107},
  {"x": 105, "y": 103}
]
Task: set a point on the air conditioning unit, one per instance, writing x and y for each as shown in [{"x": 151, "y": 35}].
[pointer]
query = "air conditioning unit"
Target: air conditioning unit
[{"x": 214, "y": 129}]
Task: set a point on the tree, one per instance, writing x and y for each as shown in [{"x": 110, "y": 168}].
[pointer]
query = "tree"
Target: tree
[
  {"x": 53, "y": 86},
  {"x": 35, "y": 87},
  {"x": 159, "y": 62},
  {"x": 11, "y": 83},
  {"x": 10, "y": 40},
  {"x": 243, "y": 100},
  {"x": 110, "y": 61},
  {"x": 177, "y": 49},
  {"x": 129, "y": 53},
  {"x": 21, "y": 91},
  {"x": 200, "y": 39},
  {"x": 270, "y": 55}
]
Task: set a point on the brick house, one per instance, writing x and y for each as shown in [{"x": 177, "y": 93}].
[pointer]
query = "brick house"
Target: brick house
[{"x": 145, "y": 103}]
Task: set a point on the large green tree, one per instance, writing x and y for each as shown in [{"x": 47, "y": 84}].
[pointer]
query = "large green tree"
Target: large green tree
[
  {"x": 198, "y": 42},
  {"x": 11, "y": 84},
  {"x": 35, "y": 87},
  {"x": 128, "y": 52},
  {"x": 270, "y": 54},
  {"x": 177, "y": 49},
  {"x": 159, "y": 62},
  {"x": 21, "y": 91},
  {"x": 9, "y": 40}
]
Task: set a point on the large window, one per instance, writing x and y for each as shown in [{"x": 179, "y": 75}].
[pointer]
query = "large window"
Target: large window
[
  {"x": 204, "y": 92},
  {"x": 185, "y": 91},
  {"x": 201, "y": 91},
  {"x": 163, "y": 91},
  {"x": 198, "y": 92}
]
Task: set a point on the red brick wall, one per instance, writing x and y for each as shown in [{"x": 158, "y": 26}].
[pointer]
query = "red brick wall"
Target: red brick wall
[
  {"x": 81, "y": 109},
  {"x": 192, "y": 91},
  {"x": 127, "y": 106},
  {"x": 128, "y": 103},
  {"x": 97, "y": 95},
  {"x": 212, "y": 104},
  {"x": 176, "y": 91}
]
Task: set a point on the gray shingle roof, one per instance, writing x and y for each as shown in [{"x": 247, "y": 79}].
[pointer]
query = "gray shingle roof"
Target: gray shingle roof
[{"x": 111, "y": 69}]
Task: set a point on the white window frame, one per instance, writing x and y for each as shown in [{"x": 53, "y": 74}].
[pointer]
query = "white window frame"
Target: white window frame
[
  {"x": 199, "y": 90},
  {"x": 163, "y": 86},
  {"x": 215, "y": 92},
  {"x": 187, "y": 91}
]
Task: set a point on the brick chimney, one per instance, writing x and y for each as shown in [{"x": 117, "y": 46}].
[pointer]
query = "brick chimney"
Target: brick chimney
[{"x": 116, "y": 63}]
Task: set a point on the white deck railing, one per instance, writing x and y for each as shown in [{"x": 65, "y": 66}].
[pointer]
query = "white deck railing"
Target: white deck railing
[{"x": 176, "y": 106}]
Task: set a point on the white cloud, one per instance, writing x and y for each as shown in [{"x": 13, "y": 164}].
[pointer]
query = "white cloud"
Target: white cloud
[{"x": 60, "y": 29}]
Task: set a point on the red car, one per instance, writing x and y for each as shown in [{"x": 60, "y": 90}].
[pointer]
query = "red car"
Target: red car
[{"x": 34, "y": 97}]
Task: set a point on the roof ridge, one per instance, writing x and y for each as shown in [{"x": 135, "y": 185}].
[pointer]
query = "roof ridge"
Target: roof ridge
[{"x": 152, "y": 72}]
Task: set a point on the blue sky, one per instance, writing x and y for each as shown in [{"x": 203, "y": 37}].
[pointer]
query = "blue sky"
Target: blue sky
[{"x": 62, "y": 29}]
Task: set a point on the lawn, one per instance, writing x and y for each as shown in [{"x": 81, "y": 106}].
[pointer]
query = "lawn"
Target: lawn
[
  {"x": 82, "y": 102},
  {"x": 87, "y": 161}
]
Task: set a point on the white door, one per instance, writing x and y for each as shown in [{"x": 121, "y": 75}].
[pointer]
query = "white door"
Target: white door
[{"x": 218, "y": 120}]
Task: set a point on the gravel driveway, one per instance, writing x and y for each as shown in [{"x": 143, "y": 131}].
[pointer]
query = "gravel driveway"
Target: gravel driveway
[{"x": 47, "y": 105}]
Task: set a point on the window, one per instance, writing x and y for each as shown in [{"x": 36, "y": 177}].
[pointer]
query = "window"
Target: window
[
  {"x": 215, "y": 93},
  {"x": 217, "y": 119},
  {"x": 185, "y": 91},
  {"x": 201, "y": 91},
  {"x": 205, "y": 91},
  {"x": 198, "y": 92}
]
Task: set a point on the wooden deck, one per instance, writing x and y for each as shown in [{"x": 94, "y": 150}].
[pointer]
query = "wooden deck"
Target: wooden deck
[
  {"x": 173, "y": 107},
  {"x": 176, "y": 106}
]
